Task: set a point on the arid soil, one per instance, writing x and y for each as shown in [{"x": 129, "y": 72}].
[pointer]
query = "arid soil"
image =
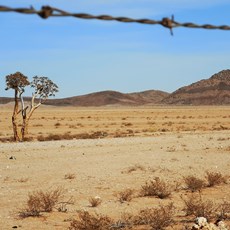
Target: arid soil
[{"x": 132, "y": 147}]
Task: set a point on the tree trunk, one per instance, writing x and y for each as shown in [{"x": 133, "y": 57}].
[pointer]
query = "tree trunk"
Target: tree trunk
[
  {"x": 24, "y": 129},
  {"x": 14, "y": 117},
  {"x": 15, "y": 128},
  {"x": 25, "y": 123}
]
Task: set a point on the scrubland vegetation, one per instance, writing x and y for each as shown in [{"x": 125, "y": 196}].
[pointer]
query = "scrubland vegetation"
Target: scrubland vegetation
[{"x": 117, "y": 168}]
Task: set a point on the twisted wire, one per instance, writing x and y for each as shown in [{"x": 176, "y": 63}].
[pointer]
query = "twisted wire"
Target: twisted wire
[{"x": 48, "y": 11}]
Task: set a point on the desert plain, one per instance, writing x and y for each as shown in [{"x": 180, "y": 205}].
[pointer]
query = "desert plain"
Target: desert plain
[{"x": 103, "y": 151}]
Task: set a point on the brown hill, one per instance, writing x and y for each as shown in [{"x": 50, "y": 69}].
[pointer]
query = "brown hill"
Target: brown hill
[
  {"x": 104, "y": 98},
  {"x": 149, "y": 96},
  {"x": 5, "y": 100},
  {"x": 111, "y": 98},
  {"x": 212, "y": 91}
]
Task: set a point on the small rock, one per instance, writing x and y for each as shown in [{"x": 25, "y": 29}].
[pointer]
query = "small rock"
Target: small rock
[
  {"x": 195, "y": 227},
  {"x": 222, "y": 225},
  {"x": 12, "y": 158},
  {"x": 201, "y": 221}
]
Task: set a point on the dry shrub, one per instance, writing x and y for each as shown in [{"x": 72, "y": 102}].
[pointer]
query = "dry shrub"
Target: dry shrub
[
  {"x": 62, "y": 206},
  {"x": 23, "y": 179},
  {"x": 68, "y": 136},
  {"x": 95, "y": 201},
  {"x": 224, "y": 210},
  {"x": 156, "y": 187},
  {"x": 57, "y": 124},
  {"x": 7, "y": 139},
  {"x": 28, "y": 139},
  {"x": 41, "y": 138},
  {"x": 87, "y": 221},
  {"x": 40, "y": 201},
  {"x": 55, "y": 137},
  {"x": 193, "y": 183},
  {"x": 38, "y": 125},
  {"x": 93, "y": 135},
  {"x": 50, "y": 137},
  {"x": 25, "y": 213},
  {"x": 177, "y": 186},
  {"x": 127, "y": 221},
  {"x": 127, "y": 124},
  {"x": 70, "y": 176},
  {"x": 44, "y": 201},
  {"x": 135, "y": 168},
  {"x": 125, "y": 195},
  {"x": 158, "y": 218},
  {"x": 72, "y": 126},
  {"x": 215, "y": 178},
  {"x": 196, "y": 206}
]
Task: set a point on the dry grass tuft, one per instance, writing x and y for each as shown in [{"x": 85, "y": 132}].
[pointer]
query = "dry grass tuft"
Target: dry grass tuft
[
  {"x": 134, "y": 168},
  {"x": 95, "y": 201},
  {"x": 156, "y": 187},
  {"x": 70, "y": 176},
  {"x": 125, "y": 195},
  {"x": 50, "y": 137},
  {"x": 57, "y": 124},
  {"x": 68, "y": 136},
  {"x": 193, "y": 183},
  {"x": 6, "y": 139},
  {"x": 87, "y": 221},
  {"x": 215, "y": 178},
  {"x": 23, "y": 179},
  {"x": 125, "y": 222},
  {"x": 28, "y": 139},
  {"x": 224, "y": 210}
]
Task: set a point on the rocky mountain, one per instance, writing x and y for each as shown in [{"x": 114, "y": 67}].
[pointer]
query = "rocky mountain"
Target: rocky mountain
[
  {"x": 149, "y": 96},
  {"x": 104, "y": 98},
  {"x": 212, "y": 91},
  {"x": 112, "y": 98}
]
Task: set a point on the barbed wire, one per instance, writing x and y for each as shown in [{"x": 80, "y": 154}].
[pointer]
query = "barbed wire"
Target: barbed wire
[{"x": 48, "y": 11}]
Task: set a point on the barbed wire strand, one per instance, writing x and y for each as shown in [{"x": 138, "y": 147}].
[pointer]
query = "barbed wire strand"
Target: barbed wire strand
[{"x": 48, "y": 11}]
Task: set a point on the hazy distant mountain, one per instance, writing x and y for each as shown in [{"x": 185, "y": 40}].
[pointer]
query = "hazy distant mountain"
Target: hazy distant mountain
[
  {"x": 5, "y": 100},
  {"x": 149, "y": 96},
  {"x": 212, "y": 91},
  {"x": 112, "y": 98},
  {"x": 105, "y": 98}
]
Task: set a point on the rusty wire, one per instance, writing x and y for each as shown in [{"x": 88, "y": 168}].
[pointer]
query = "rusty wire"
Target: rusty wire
[{"x": 48, "y": 11}]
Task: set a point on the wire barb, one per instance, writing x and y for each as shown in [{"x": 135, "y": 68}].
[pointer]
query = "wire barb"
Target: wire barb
[
  {"x": 168, "y": 23},
  {"x": 45, "y": 12},
  {"x": 48, "y": 11}
]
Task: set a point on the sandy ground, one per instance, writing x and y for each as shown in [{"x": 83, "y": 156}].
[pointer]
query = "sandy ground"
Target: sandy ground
[{"x": 196, "y": 140}]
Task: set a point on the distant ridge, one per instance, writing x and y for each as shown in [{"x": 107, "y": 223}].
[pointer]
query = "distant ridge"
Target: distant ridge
[
  {"x": 212, "y": 91},
  {"x": 104, "y": 98}
]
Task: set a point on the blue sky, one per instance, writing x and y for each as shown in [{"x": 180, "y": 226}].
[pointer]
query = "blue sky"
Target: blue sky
[{"x": 84, "y": 56}]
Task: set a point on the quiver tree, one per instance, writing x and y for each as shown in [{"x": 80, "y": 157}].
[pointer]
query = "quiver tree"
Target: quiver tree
[
  {"x": 43, "y": 88},
  {"x": 17, "y": 82}
]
